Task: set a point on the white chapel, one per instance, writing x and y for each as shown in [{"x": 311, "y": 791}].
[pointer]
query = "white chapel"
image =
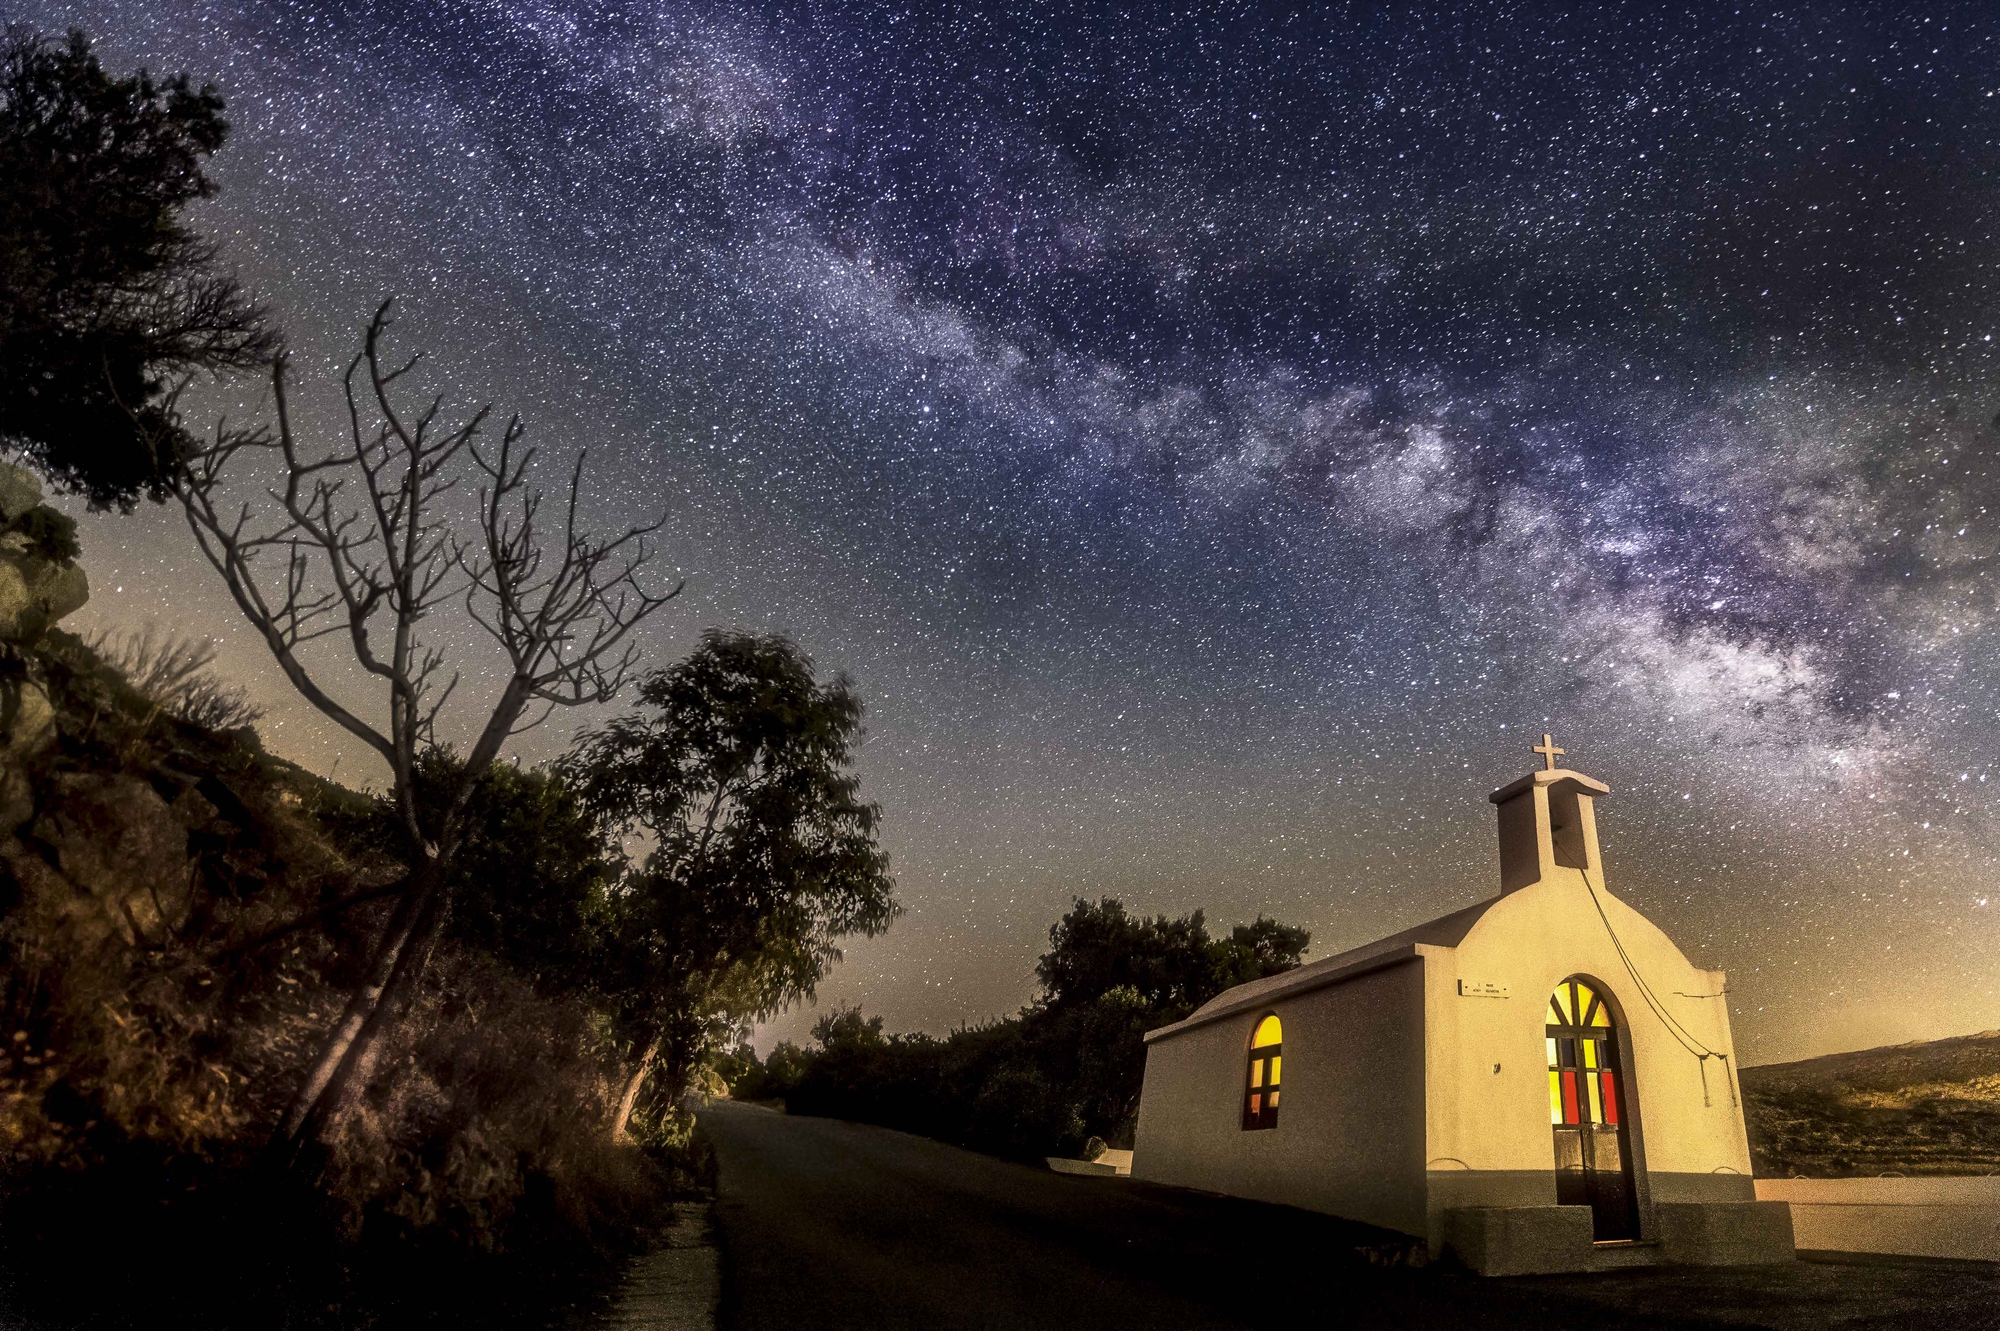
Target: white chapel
[{"x": 1539, "y": 1082}]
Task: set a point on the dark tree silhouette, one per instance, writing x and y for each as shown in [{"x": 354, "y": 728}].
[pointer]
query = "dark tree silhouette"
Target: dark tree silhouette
[
  {"x": 1172, "y": 965},
  {"x": 765, "y": 853},
  {"x": 107, "y": 298}
]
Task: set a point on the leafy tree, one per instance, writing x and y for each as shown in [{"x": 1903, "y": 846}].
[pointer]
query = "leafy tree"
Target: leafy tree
[
  {"x": 847, "y": 1030},
  {"x": 1262, "y": 947},
  {"x": 764, "y": 853},
  {"x": 1172, "y": 965},
  {"x": 107, "y": 297}
]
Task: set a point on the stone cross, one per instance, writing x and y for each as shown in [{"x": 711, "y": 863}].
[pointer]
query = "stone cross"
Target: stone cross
[{"x": 1547, "y": 748}]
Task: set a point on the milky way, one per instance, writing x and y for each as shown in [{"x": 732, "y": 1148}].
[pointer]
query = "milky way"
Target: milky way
[{"x": 1217, "y": 444}]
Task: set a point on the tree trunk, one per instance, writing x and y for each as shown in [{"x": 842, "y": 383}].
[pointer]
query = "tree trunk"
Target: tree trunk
[
  {"x": 333, "y": 1068},
  {"x": 357, "y": 1070},
  {"x": 631, "y": 1096}
]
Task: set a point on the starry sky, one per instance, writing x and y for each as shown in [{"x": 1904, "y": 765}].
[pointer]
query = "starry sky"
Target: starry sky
[{"x": 1219, "y": 443}]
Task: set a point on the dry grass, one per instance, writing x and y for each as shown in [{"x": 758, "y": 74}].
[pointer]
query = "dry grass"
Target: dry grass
[{"x": 1930, "y": 1107}]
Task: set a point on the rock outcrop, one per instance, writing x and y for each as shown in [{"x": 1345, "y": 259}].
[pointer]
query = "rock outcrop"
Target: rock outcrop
[{"x": 40, "y": 582}]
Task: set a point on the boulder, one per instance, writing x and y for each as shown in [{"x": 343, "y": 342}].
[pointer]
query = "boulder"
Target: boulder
[
  {"x": 20, "y": 490},
  {"x": 27, "y": 720},
  {"x": 119, "y": 843},
  {"x": 27, "y": 728},
  {"x": 35, "y": 593}
]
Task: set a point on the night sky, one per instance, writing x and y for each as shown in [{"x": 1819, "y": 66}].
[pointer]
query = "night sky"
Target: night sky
[{"x": 1218, "y": 446}]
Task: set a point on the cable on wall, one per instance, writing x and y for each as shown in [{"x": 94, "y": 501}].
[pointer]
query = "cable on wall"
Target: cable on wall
[{"x": 1686, "y": 1038}]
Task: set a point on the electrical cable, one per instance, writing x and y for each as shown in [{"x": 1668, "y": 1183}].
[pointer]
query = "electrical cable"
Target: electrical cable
[{"x": 1682, "y": 1035}]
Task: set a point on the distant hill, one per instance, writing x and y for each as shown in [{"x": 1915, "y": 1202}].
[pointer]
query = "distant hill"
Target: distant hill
[{"x": 1928, "y": 1107}]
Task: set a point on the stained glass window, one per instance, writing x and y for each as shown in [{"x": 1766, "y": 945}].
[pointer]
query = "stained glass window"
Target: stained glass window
[
  {"x": 1260, "y": 1095},
  {"x": 1583, "y": 1085}
]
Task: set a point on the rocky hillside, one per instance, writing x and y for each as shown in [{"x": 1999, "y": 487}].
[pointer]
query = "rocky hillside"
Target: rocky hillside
[
  {"x": 181, "y": 917},
  {"x": 1928, "y": 1107}
]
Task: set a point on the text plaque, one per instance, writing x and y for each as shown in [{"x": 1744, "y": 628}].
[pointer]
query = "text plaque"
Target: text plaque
[{"x": 1481, "y": 989}]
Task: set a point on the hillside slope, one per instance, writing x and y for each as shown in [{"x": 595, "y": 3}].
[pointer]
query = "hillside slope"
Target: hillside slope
[{"x": 1927, "y": 1107}]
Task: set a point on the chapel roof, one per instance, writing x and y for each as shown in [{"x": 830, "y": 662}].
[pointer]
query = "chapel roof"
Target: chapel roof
[{"x": 1444, "y": 931}]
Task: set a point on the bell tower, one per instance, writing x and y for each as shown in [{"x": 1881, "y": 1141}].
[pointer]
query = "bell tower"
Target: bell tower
[{"x": 1547, "y": 822}]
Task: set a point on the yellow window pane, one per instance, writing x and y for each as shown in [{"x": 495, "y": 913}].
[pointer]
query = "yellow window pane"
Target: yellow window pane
[
  {"x": 1256, "y": 1072},
  {"x": 1596, "y": 1101},
  {"x": 1601, "y": 1017},
  {"x": 1275, "y": 1061},
  {"x": 1561, "y": 1000},
  {"x": 1274, "y": 1098},
  {"x": 1582, "y": 1005},
  {"x": 1552, "y": 1050},
  {"x": 1556, "y": 1017},
  {"x": 1555, "y": 1097},
  {"x": 1268, "y": 1032},
  {"x": 1590, "y": 1053}
]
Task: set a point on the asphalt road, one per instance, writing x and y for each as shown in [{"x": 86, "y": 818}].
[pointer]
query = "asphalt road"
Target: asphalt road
[{"x": 830, "y": 1225}]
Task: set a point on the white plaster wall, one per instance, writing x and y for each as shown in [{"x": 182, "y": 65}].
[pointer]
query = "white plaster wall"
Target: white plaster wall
[
  {"x": 1350, "y": 1138},
  {"x": 1487, "y": 1101},
  {"x": 1923, "y": 1217}
]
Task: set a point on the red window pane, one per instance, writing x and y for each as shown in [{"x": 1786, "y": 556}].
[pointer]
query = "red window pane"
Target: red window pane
[
  {"x": 1569, "y": 1096},
  {"x": 1610, "y": 1098},
  {"x": 1256, "y": 1102}
]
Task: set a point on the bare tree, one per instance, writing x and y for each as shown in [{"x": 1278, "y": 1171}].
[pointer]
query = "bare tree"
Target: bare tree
[{"x": 367, "y": 539}]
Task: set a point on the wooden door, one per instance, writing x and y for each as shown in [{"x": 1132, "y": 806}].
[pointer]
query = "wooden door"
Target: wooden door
[{"x": 1587, "y": 1099}]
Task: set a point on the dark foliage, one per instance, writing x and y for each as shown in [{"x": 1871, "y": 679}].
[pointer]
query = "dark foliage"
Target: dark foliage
[
  {"x": 529, "y": 886},
  {"x": 1067, "y": 1069},
  {"x": 107, "y": 297},
  {"x": 1172, "y": 965}
]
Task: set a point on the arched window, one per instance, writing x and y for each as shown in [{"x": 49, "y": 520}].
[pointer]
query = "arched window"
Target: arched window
[
  {"x": 1260, "y": 1096},
  {"x": 1582, "y": 1076}
]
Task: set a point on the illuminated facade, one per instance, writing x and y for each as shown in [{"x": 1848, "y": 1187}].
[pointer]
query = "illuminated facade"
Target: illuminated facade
[{"x": 1538, "y": 1082}]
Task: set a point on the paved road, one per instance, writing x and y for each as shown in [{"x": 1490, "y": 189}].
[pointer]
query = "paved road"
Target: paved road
[{"x": 830, "y": 1225}]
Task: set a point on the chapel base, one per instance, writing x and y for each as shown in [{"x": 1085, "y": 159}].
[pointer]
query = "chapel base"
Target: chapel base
[
  {"x": 1725, "y": 1233},
  {"x": 1557, "y": 1240}
]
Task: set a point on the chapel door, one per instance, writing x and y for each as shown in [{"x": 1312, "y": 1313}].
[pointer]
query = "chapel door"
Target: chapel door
[{"x": 1587, "y": 1111}]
